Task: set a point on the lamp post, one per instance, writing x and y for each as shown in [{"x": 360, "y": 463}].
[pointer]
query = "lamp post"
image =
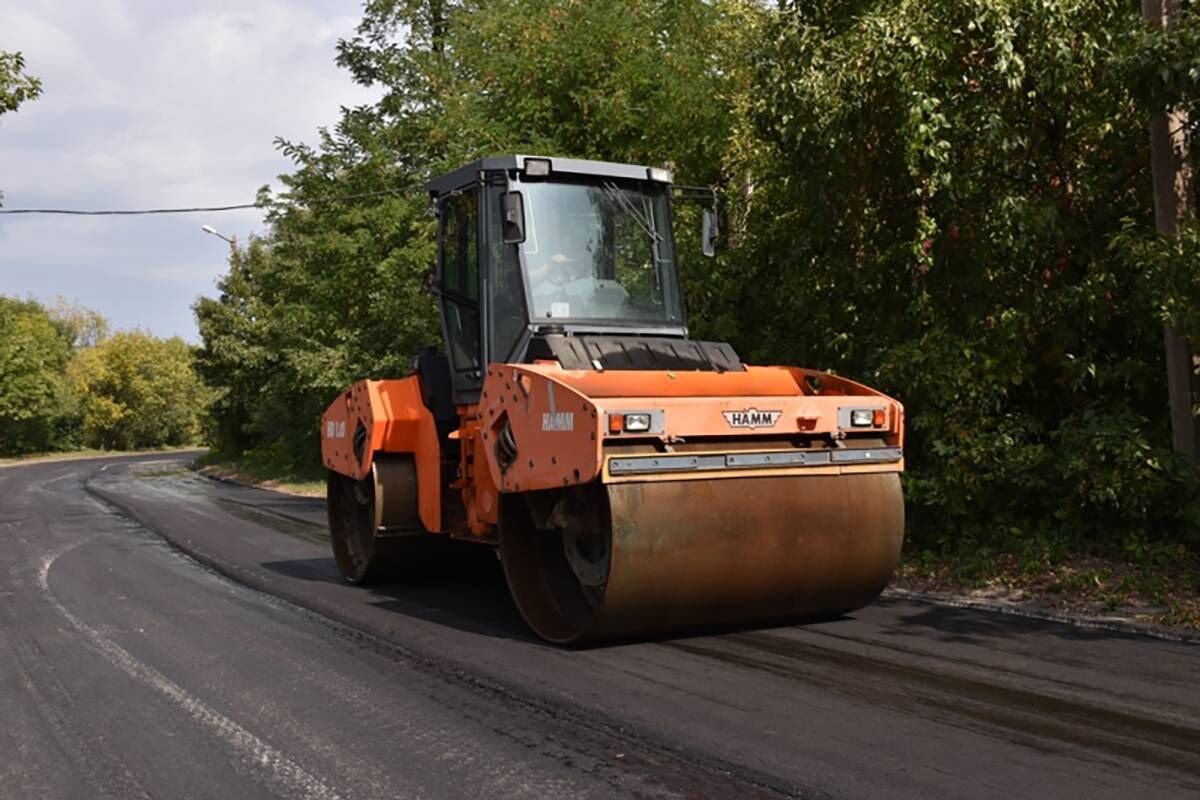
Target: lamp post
[{"x": 219, "y": 235}]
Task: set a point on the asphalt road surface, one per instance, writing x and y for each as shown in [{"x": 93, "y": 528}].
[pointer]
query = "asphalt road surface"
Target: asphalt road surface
[{"x": 247, "y": 669}]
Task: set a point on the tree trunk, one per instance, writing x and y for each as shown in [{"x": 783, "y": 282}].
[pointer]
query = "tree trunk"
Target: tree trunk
[{"x": 1174, "y": 189}]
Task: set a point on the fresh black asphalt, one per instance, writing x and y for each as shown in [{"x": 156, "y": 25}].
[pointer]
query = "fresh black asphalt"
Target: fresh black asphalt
[{"x": 166, "y": 636}]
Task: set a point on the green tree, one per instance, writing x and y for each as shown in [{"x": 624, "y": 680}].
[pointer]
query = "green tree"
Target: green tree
[
  {"x": 138, "y": 391},
  {"x": 947, "y": 199},
  {"x": 16, "y": 87},
  {"x": 608, "y": 79},
  {"x": 941, "y": 196},
  {"x": 335, "y": 291},
  {"x": 334, "y": 296},
  {"x": 35, "y": 401},
  {"x": 82, "y": 326}
]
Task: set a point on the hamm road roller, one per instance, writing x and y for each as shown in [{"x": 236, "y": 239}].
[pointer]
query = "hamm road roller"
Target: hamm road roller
[{"x": 634, "y": 481}]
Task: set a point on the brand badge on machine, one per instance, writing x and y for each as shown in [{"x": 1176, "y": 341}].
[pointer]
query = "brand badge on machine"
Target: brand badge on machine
[
  {"x": 555, "y": 420},
  {"x": 752, "y": 418},
  {"x": 335, "y": 429},
  {"x": 558, "y": 421}
]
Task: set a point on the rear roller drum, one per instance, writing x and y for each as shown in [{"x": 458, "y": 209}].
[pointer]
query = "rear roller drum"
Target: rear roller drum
[
  {"x": 351, "y": 506},
  {"x": 374, "y": 525},
  {"x": 601, "y": 561}
]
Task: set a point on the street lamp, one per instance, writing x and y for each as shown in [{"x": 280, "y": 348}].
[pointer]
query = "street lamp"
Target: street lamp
[{"x": 218, "y": 234}]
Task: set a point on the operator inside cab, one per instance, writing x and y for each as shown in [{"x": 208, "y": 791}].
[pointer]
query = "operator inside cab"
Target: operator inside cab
[{"x": 590, "y": 252}]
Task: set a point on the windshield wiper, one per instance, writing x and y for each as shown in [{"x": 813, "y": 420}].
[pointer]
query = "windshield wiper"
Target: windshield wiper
[
  {"x": 645, "y": 222},
  {"x": 644, "y": 217}
]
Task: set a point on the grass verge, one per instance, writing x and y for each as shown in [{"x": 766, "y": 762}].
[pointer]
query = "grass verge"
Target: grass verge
[
  {"x": 1157, "y": 587},
  {"x": 306, "y": 481},
  {"x": 74, "y": 455}
]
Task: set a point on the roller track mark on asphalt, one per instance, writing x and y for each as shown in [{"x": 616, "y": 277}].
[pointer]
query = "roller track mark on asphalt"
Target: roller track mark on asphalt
[
  {"x": 259, "y": 758},
  {"x": 78, "y": 749},
  {"x": 1033, "y": 719}
]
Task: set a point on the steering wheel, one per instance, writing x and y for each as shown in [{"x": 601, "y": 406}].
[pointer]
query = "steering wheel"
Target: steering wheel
[{"x": 566, "y": 269}]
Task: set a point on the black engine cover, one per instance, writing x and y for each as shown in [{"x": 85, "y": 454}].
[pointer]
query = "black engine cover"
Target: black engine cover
[{"x": 635, "y": 353}]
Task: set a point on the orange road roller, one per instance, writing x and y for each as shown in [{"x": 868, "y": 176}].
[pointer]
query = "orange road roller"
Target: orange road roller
[{"x": 635, "y": 481}]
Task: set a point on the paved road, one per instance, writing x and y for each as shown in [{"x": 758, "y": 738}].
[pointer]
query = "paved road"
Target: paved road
[{"x": 130, "y": 670}]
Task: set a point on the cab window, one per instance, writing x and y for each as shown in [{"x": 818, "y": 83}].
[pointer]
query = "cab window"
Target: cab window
[
  {"x": 506, "y": 288},
  {"x": 460, "y": 279}
]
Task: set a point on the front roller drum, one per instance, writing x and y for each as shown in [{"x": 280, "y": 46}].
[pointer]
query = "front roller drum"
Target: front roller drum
[
  {"x": 634, "y": 559},
  {"x": 375, "y": 527}
]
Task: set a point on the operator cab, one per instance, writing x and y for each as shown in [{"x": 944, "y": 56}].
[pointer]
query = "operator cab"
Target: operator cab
[{"x": 563, "y": 259}]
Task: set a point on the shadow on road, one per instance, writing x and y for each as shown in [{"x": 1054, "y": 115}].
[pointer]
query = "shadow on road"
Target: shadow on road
[
  {"x": 469, "y": 594},
  {"x": 970, "y": 625}
]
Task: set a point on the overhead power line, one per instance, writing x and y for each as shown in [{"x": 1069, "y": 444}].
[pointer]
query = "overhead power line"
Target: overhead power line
[
  {"x": 688, "y": 191},
  {"x": 126, "y": 212},
  {"x": 131, "y": 212}
]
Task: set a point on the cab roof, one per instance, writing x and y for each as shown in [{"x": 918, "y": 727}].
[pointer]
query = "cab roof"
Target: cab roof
[{"x": 468, "y": 173}]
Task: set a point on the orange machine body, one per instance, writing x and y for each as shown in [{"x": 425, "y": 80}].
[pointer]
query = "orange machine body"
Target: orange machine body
[
  {"x": 562, "y": 430},
  {"x": 385, "y": 417}
]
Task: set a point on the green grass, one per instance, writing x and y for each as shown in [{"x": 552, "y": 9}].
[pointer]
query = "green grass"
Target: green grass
[
  {"x": 162, "y": 473},
  {"x": 72, "y": 455},
  {"x": 305, "y": 480},
  {"x": 1156, "y": 585}
]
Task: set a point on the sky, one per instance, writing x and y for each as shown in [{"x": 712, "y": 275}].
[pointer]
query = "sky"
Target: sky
[{"x": 149, "y": 104}]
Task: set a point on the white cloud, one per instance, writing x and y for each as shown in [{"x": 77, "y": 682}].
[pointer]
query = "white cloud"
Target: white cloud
[{"x": 155, "y": 104}]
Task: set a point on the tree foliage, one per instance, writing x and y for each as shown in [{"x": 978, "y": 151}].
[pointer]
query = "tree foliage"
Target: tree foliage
[
  {"x": 82, "y": 326},
  {"x": 35, "y": 400},
  {"x": 16, "y": 87},
  {"x": 950, "y": 200},
  {"x": 65, "y": 383},
  {"x": 137, "y": 391},
  {"x": 953, "y": 179},
  {"x": 336, "y": 292},
  {"x": 337, "y": 296}
]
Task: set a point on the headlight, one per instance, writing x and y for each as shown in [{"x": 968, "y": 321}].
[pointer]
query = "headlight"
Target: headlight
[
  {"x": 637, "y": 423},
  {"x": 537, "y": 167},
  {"x": 659, "y": 174},
  {"x": 862, "y": 417}
]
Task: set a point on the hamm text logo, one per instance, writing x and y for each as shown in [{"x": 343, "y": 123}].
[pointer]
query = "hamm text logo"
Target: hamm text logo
[
  {"x": 558, "y": 421},
  {"x": 752, "y": 418}
]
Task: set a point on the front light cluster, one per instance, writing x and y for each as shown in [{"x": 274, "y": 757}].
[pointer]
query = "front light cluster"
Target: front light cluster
[
  {"x": 634, "y": 422},
  {"x": 867, "y": 418}
]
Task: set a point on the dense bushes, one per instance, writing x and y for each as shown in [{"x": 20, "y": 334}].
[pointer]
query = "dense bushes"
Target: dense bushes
[
  {"x": 65, "y": 384},
  {"x": 961, "y": 184},
  {"x": 36, "y": 405},
  {"x": 136, "y": 391},
  {"x": 948, "y": 199},
  {"x": 336, "y": 297}
]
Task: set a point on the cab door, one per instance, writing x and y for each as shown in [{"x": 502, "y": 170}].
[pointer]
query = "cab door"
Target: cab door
[{"x": 458, "y": 283}]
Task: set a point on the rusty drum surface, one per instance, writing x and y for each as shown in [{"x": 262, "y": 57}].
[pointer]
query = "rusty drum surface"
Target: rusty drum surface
[{"x": 679, "y": 554}]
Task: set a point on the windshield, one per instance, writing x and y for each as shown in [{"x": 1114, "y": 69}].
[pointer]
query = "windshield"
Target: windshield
[{"x": 600, "y": 251}]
